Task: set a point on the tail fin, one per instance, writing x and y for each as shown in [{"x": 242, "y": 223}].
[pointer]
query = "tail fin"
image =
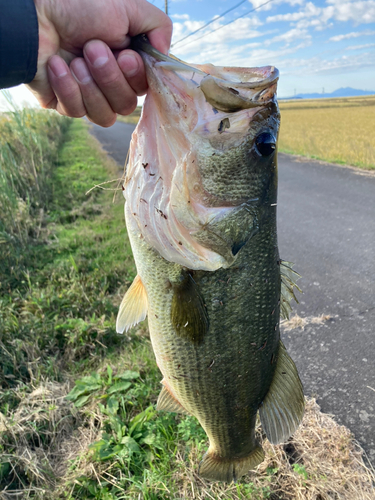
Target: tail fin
[{"x": 215, "y": 468}]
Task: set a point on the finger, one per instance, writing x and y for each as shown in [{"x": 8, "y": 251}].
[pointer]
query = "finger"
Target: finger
[
  {"x": 149, "y": 19},
  {"x": 132, "y": 66},
  {"x": 98, "y": 109},
  {"x": 109, "y": 78},
  {"x": 66, "y": 89}
]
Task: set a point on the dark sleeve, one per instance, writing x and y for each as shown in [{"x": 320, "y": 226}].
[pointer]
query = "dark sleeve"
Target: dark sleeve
[{"x": 18, "y": 42}]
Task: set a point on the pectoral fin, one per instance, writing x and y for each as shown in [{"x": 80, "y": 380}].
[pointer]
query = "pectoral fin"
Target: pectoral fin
[
  {"x": 288, "y": 284},
  {"x": 133, "y": 307},
  {"x": 166, "y": 402},
  {"x": 282, "y": 409},
  {"x": 189, "y": 313}
]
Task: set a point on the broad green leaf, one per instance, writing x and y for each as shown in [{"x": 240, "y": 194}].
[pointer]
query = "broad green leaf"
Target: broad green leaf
[
  {"x": 112, "y": 405},
  {"x": 149, "y": 439},
  {"x": 128, "y": 375},
  {"x": 140, "y": 418},
  {"x": 109, "y": 371},
  {"x": 130, "y": 444},
  {"x": 81, "y": 401},
  {"x": 119, "y": 386}
]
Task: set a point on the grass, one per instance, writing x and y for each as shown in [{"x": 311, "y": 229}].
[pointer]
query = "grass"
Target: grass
[
  {"x": 77, "y": 404},
  {"x": 333, "y": 130},
  {"x": 29, "y": 142}
]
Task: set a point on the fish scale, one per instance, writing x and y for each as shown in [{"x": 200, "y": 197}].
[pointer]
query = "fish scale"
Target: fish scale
[{"x": 213, "y": 316}]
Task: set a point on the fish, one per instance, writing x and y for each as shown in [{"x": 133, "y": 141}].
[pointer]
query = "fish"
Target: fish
[{"x": 201, "y": 197}]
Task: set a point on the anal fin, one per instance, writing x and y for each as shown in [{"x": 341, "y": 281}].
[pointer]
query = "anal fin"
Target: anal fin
[
  {"x": 282, "y": 409},
  {"x": 133, "y": 307},
  {"x": 215, "y": 468},
  {"x": 166, "y": 402}
]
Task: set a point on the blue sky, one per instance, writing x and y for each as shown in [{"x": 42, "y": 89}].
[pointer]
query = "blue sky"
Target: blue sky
[{"x": 314, "y": 44}]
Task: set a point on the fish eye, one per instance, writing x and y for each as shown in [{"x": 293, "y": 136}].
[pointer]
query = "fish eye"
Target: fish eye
[{"x": 265, "y": 143}]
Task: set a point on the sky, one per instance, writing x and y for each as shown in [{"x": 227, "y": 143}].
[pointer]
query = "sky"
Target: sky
[{"x": 318, "y": 46}]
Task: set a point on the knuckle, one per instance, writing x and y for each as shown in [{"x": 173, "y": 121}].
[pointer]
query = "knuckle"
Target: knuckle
[{"x": 128, "y": 108}]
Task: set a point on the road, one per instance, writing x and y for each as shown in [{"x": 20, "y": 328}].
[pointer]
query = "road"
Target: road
[{"x": 326, "y": 226}]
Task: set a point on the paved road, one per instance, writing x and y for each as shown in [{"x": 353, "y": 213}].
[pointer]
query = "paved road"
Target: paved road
[
  {"x": 326, "y": 218},
  {"x": 115, "y": 140}
]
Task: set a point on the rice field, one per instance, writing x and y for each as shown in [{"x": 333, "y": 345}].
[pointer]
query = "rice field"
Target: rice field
[{"x": 333, "y": 130}]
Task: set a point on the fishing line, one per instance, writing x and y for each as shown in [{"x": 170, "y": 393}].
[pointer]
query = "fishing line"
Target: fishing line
[{"x": 226, "y": 24}]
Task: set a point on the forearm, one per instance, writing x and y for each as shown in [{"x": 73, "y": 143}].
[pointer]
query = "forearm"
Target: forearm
[{"x": 18, "y": 42}]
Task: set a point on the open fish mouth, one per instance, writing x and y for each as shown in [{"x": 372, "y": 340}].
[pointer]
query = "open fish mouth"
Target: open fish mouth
[
  {"x": 201, "y": 154},
  {"x": 221, "y": 87}
]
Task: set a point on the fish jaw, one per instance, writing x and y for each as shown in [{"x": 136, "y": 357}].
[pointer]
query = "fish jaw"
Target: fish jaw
[{"x": 180, "y": 148}]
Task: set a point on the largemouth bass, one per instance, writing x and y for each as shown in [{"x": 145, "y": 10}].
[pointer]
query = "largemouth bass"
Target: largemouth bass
[{"x": 200, "y": 190}]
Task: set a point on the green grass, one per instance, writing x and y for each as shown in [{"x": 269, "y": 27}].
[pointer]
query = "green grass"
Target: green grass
[{"x": 29, "y": 143}]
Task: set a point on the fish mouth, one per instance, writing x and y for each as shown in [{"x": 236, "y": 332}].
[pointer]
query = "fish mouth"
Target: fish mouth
[{"x": 221, "y": 87}]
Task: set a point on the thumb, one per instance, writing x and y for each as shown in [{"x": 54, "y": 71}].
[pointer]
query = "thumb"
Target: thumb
[{"x": 146, "y": 18}]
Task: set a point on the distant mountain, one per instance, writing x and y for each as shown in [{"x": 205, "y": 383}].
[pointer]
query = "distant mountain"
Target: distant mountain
[{"x": 343, "y": 92}]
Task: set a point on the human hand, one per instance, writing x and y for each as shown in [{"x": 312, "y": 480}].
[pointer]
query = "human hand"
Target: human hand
[{"x": 106, "y": 77}]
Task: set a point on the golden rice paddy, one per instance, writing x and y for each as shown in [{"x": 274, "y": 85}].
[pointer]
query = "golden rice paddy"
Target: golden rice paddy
[{"x": 333, "y": 130}]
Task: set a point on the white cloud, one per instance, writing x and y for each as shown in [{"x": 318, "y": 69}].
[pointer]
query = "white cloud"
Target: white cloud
[
  {"x": 180, "y": 16},
  {"x": 354, "y": 34},
  {"x": 241, "y": 29},
  {"x": 257, "y": 3},
  {"x": 360, "y": 47},
  {"x": 310, "y": 10},
  {"x": 316, "y": 65},
  {"x": 310, "y": 15},
  {"x": 290, "y": 36}
]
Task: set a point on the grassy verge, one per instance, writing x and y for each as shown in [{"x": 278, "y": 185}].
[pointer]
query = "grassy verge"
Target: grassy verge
[
  {"x": 29, "y": 143},
  {"x": 77, "y": 416}
]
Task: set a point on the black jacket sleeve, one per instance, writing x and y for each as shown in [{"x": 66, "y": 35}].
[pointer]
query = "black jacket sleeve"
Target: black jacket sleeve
[{"x": 18, "y": 42}]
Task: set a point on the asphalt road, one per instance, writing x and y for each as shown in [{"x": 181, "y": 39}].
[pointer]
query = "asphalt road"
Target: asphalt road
[{"x": 326, "y": 226}]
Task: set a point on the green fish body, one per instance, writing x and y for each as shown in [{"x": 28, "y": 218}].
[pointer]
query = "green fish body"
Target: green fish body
[{"x": 204, "y": 240}]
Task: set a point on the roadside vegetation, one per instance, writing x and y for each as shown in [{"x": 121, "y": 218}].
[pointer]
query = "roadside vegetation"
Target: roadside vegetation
[
  {"x": 333, "y": 130},
  {"x": 77, "y": 400}
]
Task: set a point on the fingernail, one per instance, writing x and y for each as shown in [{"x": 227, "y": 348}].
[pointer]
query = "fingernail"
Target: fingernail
[
  {"x": 57, "y": 66},
  {"x": 80, "y": 71},
  {"x": 96, "y": 53},
  {"x": 128, "y": 64}
]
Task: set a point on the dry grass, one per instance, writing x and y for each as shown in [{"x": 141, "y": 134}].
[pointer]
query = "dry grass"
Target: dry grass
[
  {"x": 298, "y": 322},
  {"x": 334, "y": 130},
  {"x": 320, "y": 462}
]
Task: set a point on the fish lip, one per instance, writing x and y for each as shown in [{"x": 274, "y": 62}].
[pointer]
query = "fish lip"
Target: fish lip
[{"x": 141, "y": 44}]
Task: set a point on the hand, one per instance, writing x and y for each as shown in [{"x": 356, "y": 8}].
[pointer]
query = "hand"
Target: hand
[{"x": 106, "y": 77}]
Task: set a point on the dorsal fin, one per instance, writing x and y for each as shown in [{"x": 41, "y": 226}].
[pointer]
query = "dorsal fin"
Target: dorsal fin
[
  {"x": 288, "y": 283},
  {"x": 282, "y": 409},
  {"x": 133, "y": 307},
  {"x": 166, "y": 402}
]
